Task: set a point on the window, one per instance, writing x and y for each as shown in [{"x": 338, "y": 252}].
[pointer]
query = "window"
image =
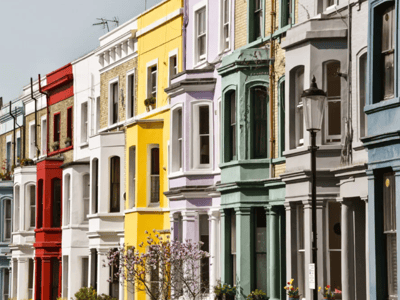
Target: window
[
  {"x": 173, "y": 67},
  {"x": 390, "y": 232},
  {"x": 114, "y": 184},
  {"x": 95, "y": 192},
  {"x": 225, "y": 30},
  {"x": 152, "y": 82},
  {"x": 56, "y": 126},
  {"x": 131, "y": 96},
  {"x": 69, "y": 123},
  {"x": 333, "y": 111},
  {"x": 86, "y": 191},
  {"x": 30, "y": 278},
  {"x": 8, "y": 163},
  {"x": 114, "y": 280},
  {"x": 84, "y": 122},
  {"x": 260, "y": 249},
  {"x": 18, "y": 154},
  {"x": 43, "y": 131},
  {"x": 296, "y": 117},
  {"x": 334, "y": 245},
  {"x": 93, "y": 268},
  {"x": 281, "y": 91},
  {"x": 16, "y": 207},
  {"x": 56, "y": 216},
  {"x": 387, "y": 52},
  {"x": 177, "y": 145},
  {"x": 286, "y": 13},
  {"x": 362, "y": 88},
  {"x": 7, "y": 220},
  {"x": 32, "y": 140},
  {"x": 67, "y": 198},
  {"x": 6, "y": 287},
  {"x": 233, "y": 246},
  {"x": 32, "y": 206},
  {"x": 231, "y": 147},
  {"x": 201, "y": 136},
  {"x": 201, "y": 35},
  {"x": 154, "y": 175},
  {"x": 259, "y": 104},
  {"x": 256, "y": 17},
  {"x": 114, "y": 102},
  {"x": 300, "y": 255},
  {"x": 40, "y": 204},
  {"x": 205, "y": 262},
  {"x": 132, "y": 176},
  {"x": 85, "y": 272}
]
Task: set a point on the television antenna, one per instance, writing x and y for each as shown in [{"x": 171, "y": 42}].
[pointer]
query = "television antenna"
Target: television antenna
[{"x": 104, "y": 22}]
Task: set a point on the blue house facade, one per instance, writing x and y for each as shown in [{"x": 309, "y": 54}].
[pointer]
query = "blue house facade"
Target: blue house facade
[{"x": 383, "y": 144}]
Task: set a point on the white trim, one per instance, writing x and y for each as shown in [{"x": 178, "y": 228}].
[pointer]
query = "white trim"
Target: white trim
[
  {"x": 110, "y": 110},
  {"x": 146, "y": 209},
  {"x": 363, "y": 51},
  {"x": 171, "y": 54},
  {"x": 127, "y": 107},
  {"x": 119, "y": 62},
  {"x": 159, "y": 22},
  {"x": 196, "y": 59}
]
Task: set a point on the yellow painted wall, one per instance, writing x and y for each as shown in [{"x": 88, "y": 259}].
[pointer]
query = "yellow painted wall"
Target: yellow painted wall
[{"x": 154, "y": 44}]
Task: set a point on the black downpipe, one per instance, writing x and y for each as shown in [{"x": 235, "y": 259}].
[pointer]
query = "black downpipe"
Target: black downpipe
[
  {"x": 47, "y": 115},
  {"x": 13, "y": 133},
  {"x": 23, "y": 129},
  {"x": 36, "y": 145}
]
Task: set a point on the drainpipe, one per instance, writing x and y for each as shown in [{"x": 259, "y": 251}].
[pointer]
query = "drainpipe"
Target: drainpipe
[
  {"x": 36, "y": 145},
  {"x": 47, "y": 114},
  {"x": 185, "y": 24},
  {"x": 349, "y": 82},
  {"x": 271, "y": 90},
  {"x": 11, "y": 114},
  {"x": 23, "y": 129}
]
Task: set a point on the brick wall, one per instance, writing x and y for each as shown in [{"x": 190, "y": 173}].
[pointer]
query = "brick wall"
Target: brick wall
[
  {"x": 240, "y": 23},
  {"x": 30, "y": 118},
  {"x": 120, "y": 72}
]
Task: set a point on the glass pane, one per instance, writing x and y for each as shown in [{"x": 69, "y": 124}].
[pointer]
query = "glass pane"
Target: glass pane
[
  {"x": 388, "y": 75},
  {"x": 204, "y": 123},
  {"x": 260, "y": 122},
  {"x": 8, "y": 209},
  {"x": 226, "y": 36},
  {"x": 226, "y": 11},
  {"x": 233, "y": 233},
  {"x": 261, "y": 272},
  {"x": 32, "y": 222},
  {"x": 32, "y": 194},
  {"x": 362, "y": 93},
  {"x": 389, "y": 202},
  {"x": 334, "y": 225},
  {"x": 301, "y": 272},
  {"x": 336, "y": 270},
  {"x": 202, "y": 21},
  {"x": 155, "y": 161},
  {"x": 391, "y": 253},
  {"x": 334, "y": 126},
  {"x": 179, "y": 117},
  {"x": 202, "y": 45},
  {"x": 204, "y": 149},
  {"x": 387, "y": 29},
  {"x": 8, "y": 229},
  {"x": 333, "y": 80},
  {"x": 56, "y": 203}
]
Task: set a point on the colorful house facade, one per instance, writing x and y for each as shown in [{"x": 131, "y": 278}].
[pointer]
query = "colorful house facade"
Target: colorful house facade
[{"x": 382, "y": 142}]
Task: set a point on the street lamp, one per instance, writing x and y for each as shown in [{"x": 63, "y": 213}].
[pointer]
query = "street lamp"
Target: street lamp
[{"x": 314, "y": 101}]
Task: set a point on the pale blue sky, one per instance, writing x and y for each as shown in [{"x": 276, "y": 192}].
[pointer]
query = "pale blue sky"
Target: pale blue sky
[{"x": 39, "y": 36}]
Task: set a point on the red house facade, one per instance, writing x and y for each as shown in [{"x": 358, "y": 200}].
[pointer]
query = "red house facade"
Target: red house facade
[{"x": 48, "y": 234}]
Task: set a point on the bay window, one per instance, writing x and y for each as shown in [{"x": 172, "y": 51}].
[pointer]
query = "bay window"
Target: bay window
[
  {"x": 32, "y": 206},
  {"x": 201, "y": 35},
  {"x": 115, "y": 184},
  {"x": 259, "y": 121},
  {"x": 16, "y": 207},
  {"x": 201, "y": 137},
  {"x": 67, "y": 199},
  {"x": 230, "y": 125},
  {"x": 95, "y": 190},
  {"x": 387, "y": 51},
  {"x": 7, "y": 220},
  {"x": 154, "y": 174},
  {"x": 40, "y": 204},
  {"x": 333, "y": 118},
  {"x": 177, "y": 140},
  {"x": 56, "y": 205}
]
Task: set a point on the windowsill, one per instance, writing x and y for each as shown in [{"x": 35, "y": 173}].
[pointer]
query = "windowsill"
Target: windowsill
[
  {"x": 84, "y": 145},
  {"x": 357, "y": 146},
  {"x": 245, "y": 162},
  {"x": 146, "y": 209},
  {"x": 279, "y": 160},
  {"x": 111, "y": 127},
  {"x": 200, "y": 172},
  {"x": 304, "y": 149},
  {"x": 60, "y": 151},
  {"x": 382, "y": 105},
  {"x": 153, "y": 205},
  {"x": 105, "y": 215},
  {"x": 201, "y": 64}
]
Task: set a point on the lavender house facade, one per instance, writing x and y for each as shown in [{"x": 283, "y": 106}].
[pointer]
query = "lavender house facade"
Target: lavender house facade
[{"x": 194, "y": 145}]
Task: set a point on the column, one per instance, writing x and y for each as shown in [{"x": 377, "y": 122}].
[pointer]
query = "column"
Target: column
[
  {"x": 226, "y": 262},
  {"x": 214, "y": 238},
  {"x": 174, "y": 220},
  {"x": 22, "y": 277},
  {"x": 244, "y": 253},
  {"x": 366, "y": 248},
  {"x": 38, "y": 278},
  {"x": 189, "y": 231},
  {"x": 46, "y": 278},
  {"x": 273, "y": 257},
  {"x": 290, "y": 242},
  {"x": 103, "y": 273},
  {"x": 347, "y": 251}
]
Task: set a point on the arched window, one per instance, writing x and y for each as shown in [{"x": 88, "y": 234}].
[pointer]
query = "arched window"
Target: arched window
[
  {"x": 281, "y": 95},
  {"x": 7, "y": 220},
  {"x": 259, "y": 121},
  {"x": 56, "y": 209},
  {"x": 115, "y": 184},
  {"x": 40, "y": 204},
  {"x": 333, "y": 119},
  {"x": 95, "y": 185},
  {"x": 362, "y": 89},
  {"x": 296, "y": 120},
  {"x": 67, "y": 199},
  {"x": 16, "y": 207},
  {"x": 86, "y": 192},
  {"x": 230, "y": 126}
]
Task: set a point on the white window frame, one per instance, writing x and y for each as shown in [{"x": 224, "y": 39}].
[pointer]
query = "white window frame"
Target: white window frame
[
  {"x": 150, "y": 64},
  {"x": 67, "y": 199},
  {"x": 222, "y": 38},
  {"x": 110, "y": 100},
  {"x": 195, "y": 138},
  {"x": 149, "y": 147},
  {"x": 43, "y": 133},
  {"x": 172, "y": 54},
  {"x": 360, "y": 109},
  {"x": 174, "y": 140},
  {"x": 196, "y": 56},
  {"x": 84, "y": 122},
  {"x": 85, "y": 198},
  {"x": 128, "y": 95},
  {"x": 29, "y": 206},
  {"x": 32, "y": 150}
]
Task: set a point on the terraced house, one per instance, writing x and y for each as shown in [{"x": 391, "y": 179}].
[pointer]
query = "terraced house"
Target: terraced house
[{"x": 252, "y": 145}]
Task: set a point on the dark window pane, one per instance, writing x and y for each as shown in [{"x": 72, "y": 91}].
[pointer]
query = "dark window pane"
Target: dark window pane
[
  {"x": 204, "y": 149},
  {"x": 204, "y": 123},
  {"x": 155, "y": 161},
  {"x": 388, "y": 29},
  {"x": 260, "y": 122},
  {"x": 56, "y": 202},
  {"x": 179, "y": 116},
  {"x": 115, "y": 184},
  {"x": 388, "y": 75},
  {"x": 333, "y": 79},
  {"x": 334, "y": 118}
]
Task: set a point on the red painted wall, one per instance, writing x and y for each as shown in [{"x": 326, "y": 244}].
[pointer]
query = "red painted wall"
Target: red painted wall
[
  {"x": 48, "y": 238},
  {"x": 60, "y": 84}
]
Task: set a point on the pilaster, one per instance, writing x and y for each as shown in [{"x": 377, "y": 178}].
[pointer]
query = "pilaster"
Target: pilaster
[
  {"x": 23, "y": 277},
  {"x": 273, "y": 256},
  {"x": 189, "y": 231},
  {"x": 103, "y": 272},
  {"x": 213, "y": 217},
  {"x": 174, "y": 220},
  {"x": 226, "y": 261}
]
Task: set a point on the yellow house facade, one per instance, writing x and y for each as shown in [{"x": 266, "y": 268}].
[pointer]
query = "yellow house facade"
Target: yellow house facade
[{"x": 159, "y": 40}]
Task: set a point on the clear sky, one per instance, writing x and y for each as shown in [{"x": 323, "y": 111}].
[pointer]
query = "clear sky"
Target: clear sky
[{"x": 40, "y": 36}]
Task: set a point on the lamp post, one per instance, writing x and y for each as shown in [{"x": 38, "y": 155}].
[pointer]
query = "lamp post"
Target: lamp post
[{"x": 314, "y": 101}]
